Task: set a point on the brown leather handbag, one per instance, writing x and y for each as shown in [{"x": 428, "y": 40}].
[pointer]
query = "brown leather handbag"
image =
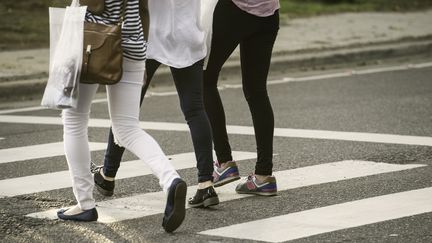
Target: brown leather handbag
[
  {"x": 94, "y": 6},
  {"x": 103, "y": 54}
]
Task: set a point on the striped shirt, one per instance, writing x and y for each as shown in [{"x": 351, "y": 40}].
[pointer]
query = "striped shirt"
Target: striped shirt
[{"x": 133, "y": 43}]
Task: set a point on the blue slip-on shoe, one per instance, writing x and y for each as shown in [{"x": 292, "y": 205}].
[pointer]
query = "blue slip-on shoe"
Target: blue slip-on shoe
[
  {"x": 86, "y": 215},
  {"x": 175, "y": 210}
]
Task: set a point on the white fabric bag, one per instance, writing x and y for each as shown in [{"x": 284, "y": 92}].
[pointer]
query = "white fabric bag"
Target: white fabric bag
[
  {"x": 207, "y": 9},
  {"x": 66, "y": 50}
]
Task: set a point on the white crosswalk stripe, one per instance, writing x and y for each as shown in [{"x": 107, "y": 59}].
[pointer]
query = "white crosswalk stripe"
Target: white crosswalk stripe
[
  {"x": 244, "y": 130},
  {"x": 39, "y": 151},
  {"x": 61, "y": 179},
  {"x": 153, "y": 203},
  {"x": 331, "y": 218}
]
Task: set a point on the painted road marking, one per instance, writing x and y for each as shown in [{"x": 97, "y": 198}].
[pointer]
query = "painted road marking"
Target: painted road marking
[
  {"x": 331, "y": 218},
  {"x": 349, "y": 73},
  {"x": 244, "y": 130},
  {"x": 39, "y": 108},
  {"x": 39, "y": 151},
  {"x": 36, "y": 108},
  {"x": 272, "y": 82},
  {"x": 61, "y": 179},
  {"x": 153, "y": 203}
]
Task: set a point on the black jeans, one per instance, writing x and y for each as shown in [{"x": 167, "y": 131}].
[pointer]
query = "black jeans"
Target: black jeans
[
  {"x": 189, "y": 85},
  {"x": 256, "y": 36}
]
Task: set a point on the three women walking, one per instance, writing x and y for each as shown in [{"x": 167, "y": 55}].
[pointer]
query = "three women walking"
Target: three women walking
[{"x": 176, "y": 39}]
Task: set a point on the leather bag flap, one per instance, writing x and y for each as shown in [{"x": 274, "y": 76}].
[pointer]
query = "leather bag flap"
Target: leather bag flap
[
  {"x": 97, "y": 34},
  {"x": 94, "y": 39}
]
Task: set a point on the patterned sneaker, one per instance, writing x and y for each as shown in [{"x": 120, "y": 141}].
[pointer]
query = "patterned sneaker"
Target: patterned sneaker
[
  {"x": 225, "y": 173},
  {"x": 253, "y": 186}
]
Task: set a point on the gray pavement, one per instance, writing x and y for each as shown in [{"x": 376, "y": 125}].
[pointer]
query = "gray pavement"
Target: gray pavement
[
  {"x": 375, "y": 103},
  {"x": 301, "y": 42}
]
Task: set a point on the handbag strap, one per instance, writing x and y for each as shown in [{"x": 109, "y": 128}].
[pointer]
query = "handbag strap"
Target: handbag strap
[{"x": 123, "y": 12}]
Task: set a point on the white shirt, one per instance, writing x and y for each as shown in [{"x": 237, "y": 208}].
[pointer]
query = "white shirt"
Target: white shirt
[{"x": 176, "y": 38}]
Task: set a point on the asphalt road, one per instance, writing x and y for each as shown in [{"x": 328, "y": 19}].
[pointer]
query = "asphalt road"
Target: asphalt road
[{"x": 342, "y": 117}]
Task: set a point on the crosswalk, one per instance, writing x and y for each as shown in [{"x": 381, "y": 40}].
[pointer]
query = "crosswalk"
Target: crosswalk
[
  {"x": 58, "y": 180},
  {"x": 301, "y": 224},
  {"x": 243, "y": 130},
  {"x": 39, "y": 151},
  {"x": 153, "y": 203},
  {"x": 331, "y": 218}
]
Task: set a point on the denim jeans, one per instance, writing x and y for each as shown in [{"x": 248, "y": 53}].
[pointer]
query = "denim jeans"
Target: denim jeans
[{"x": 189, "y": 85}]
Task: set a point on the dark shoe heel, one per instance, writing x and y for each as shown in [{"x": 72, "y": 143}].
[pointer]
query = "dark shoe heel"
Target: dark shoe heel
[
  {"x": 175, "y": 210},
  {"x": 211, "y": 202},
  {"x": 204, "y": 198},
  {"x": 103, "y": 186},
  {"x": 104, "y": 192}
]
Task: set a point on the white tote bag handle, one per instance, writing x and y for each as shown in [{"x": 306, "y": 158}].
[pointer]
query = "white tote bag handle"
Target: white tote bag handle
[{"x": 75, "y": 3}]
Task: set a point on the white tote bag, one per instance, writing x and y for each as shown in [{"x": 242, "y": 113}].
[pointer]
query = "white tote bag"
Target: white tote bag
[
  {"x": 66, "y": 50},
  {"x": 207, "y": 9}
]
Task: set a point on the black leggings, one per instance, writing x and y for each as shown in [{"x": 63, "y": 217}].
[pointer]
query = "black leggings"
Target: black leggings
[
  {"x": 256, "y": 36},
  {"x": 189, "y": 85}
]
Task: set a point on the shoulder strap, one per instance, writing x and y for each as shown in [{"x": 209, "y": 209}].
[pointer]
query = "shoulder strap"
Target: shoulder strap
[{"x": 123, "y": 11}]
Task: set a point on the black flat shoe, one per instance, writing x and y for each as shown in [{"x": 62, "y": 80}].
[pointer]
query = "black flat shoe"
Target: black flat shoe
[
  {"x": 103, "y": 186},
  {"x": 175, "y": 210},
  {"x": 204, "y": 198},
  {"x": 86, "y": 216}
]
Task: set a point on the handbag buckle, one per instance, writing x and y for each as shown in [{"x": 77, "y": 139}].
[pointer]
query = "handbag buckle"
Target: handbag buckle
[{"x": 88, "y": 50}]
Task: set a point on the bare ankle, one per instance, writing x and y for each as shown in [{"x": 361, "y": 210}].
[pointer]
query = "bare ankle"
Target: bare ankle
[
  {"x": 106, "y": 177},
  {"x": 205, "y": 184},
  {"x": 262, "y": 178}
]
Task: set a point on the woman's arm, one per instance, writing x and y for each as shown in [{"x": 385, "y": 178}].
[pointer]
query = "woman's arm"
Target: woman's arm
[{"x": 144, "y": 15}]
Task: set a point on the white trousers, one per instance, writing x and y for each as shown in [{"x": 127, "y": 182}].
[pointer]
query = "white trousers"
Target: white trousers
[{"x": 123, "y": 102}]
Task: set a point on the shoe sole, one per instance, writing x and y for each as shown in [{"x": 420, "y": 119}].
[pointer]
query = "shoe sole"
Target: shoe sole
[
  {"x": 179, "y": 211},
  {"x": 78, "y": 218},
  {"x": 103, "y": 191},
  {"x": 226, "y": 181},
  {"x": 206, "y": 203},
  {"x": 211, "y": 202},
  {"x": 267, "y": 194}
]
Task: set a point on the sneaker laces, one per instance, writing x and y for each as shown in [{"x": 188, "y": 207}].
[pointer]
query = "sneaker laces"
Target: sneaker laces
[
  {"x": 250, "y": 176},
  {"x": 216, "y": 164},
  {"x": 95, "y": 168}
]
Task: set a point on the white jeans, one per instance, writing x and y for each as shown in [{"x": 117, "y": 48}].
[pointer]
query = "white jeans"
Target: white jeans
[{"x": 123, "y": 102}]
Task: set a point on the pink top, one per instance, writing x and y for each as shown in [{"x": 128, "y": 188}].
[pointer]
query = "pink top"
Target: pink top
[{"x": 261, "y": 8}]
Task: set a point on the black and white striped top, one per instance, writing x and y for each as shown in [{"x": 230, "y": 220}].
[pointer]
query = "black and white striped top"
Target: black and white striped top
[{"x": 133, "y": 43}]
